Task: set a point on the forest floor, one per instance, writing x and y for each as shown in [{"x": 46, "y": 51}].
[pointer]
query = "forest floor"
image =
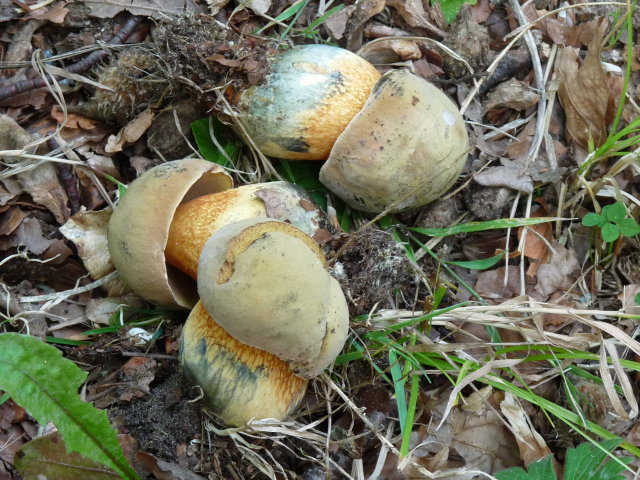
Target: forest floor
[{"x": 493, "y": 328}]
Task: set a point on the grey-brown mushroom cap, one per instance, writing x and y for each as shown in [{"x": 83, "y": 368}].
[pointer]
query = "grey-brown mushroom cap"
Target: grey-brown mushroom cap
[
  {"x": 267, "y": 285},
  {"x": 404, "y": 149},
  {"x": 139, "y": 227}
]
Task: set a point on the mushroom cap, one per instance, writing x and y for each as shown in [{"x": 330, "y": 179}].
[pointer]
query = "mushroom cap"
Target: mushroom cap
[
  {"x": 139, "y": 227},
  {"x": 307, "y": 98},
  {"x": 195, "y": 221},
  {"x": 239, "y": 383},
  {"x": 404, "y": 149},
  {"x": 266, "y": 283}
]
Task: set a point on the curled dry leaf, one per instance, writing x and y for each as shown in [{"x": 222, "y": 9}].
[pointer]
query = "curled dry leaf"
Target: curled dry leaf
[
  {"x": 355, "y": 25},
  {"x": 584, "y": 94},
  {"x": 88, "y": 231},
  {"x": 41, "y": 182},
  {"x": 531, "y": 444},
  {"x": 504, "y": 176},
  {"x": 559, "y": 273},
  {"x": 130, "y": 132},
  {"x": 512, "y": 94}
]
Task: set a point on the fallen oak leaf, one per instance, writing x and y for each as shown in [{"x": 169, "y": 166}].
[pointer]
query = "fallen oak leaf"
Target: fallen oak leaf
[{"x": 584, "y": 94}]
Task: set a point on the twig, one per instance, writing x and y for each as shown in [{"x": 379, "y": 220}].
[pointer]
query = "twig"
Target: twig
[{"x": 125, "y": 32}]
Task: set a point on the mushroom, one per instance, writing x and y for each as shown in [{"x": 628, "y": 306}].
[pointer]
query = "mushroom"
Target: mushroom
[
  {"x": 175, "y": 207},
  {"x": 195, "y": 221},
  {"x": 266, "y": 283},
  {"x": 276, "y": 285},
  {"x": 280, "y": 318},
  {"x": 239, "y": 383},
  {"x": 404, "y": 149},
  {"x": 309, "y": 95},
  {"x": 139, "y": 227}
]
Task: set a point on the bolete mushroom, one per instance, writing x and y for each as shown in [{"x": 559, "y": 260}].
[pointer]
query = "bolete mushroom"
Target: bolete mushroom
[
  {"x": 239, "y": 383},
  {"x": 280, "y": 287},
  {"x": 404, "y": 149},
  {"x": 279, "y": 318},
  {"x": 266, "y": 283},
  {"x": 173, "y": 209},
  {"x": 309, "y": 95},
  {"x": 139, "y": 227}
]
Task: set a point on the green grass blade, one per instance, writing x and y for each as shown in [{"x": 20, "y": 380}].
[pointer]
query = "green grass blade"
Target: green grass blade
[
  {"x": 411, "y": 412},
  {"x": 43, "y": 382},
  {"x": 320, "y": 20},
  {"x": 482, "y": 264},
  {"x": 482, "y": 226},
  {"x": 398, "y": 385}
]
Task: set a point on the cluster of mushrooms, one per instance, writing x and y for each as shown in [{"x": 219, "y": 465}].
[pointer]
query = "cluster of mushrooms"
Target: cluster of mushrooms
[{"x": 266, "y": 315}]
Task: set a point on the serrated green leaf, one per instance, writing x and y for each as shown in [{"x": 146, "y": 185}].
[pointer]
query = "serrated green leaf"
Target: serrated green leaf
[
  {"x": 593, "y": 220},
  {"x": 583, "y": 461},
  {"x": 540, "y": 470},
  {"x": 46, "y": 457},
  {"x": 610, "y": 232},
  {"x": 615, "y": 212},
  {"x": 43, "y": 382},
  {"x": 451, "y": 8},
  {"x": 629, "y": 227},
  {"x": 208, "y": 131}
]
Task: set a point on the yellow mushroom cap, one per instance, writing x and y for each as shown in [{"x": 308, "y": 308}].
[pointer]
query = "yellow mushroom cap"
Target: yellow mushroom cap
[
  {"x": 404, "y": 149},
  {"x": 195, "y": 221},
  {"x": 139, "y": 227},
  {"x": 266, "y": 283},
  {"x": 239, "y": 383},
  {"x": 309, "y": 95}
]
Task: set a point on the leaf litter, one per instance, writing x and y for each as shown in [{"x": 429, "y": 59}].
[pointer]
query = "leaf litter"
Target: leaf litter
[{"x": 557, "y": 286}]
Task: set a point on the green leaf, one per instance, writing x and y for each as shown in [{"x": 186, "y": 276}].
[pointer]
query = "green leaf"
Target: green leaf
[
  {"x": 305, "y": 174},
  {"x": 310, "y": 30},
  {"x": 46, "y": 457},
  {"x": 629, "y": 227},
  {"x": 540, "y": 470},
  {"x": 43, "y": 382},
  {"x": 451, "y": 8},
  {"x": 637, "y": 297},
  {"x": 593, "y": 220},
  {"x": 615, "y": 212},
  {"x": 610, "y": 232},
  {"x": 213, "y": 143},
  {"x": 583, "y": 461},
  {"x": 482, "y": 226},
  {"x": 482, "y": 264}
]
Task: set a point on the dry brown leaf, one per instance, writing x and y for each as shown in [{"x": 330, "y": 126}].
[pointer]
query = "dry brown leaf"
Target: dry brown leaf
[
  {"x": 531, "y": 444},
  {"x": 503, "y": 176},
  {"x": 88, "y": 231},
  {"x": 159, "y": 9},
  {"x": 131, "y": 132},
  {"x": 584, "y": 94},
  {"x": 137, "y": 375},
  {"x": 164, "y": 470},
  {"x": 337, "y": 24},
  {"x": 390, "y": 51},
  {"x": 559, "y": 273},
  {"x": 474, "y": 431},
  {"x": 355, "y": 25},
  {"x": 11, "y": 219},
  {"x": 537, "y": 243},
  {"x": 491, "y": 284},
  {"x": 412, "y": 12},
  {"x": 512, "y": 94},
  {"x": 74, "y": 120},
  {"x": 28, "y": 235},
  {"x": 55, "y": 13}
]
